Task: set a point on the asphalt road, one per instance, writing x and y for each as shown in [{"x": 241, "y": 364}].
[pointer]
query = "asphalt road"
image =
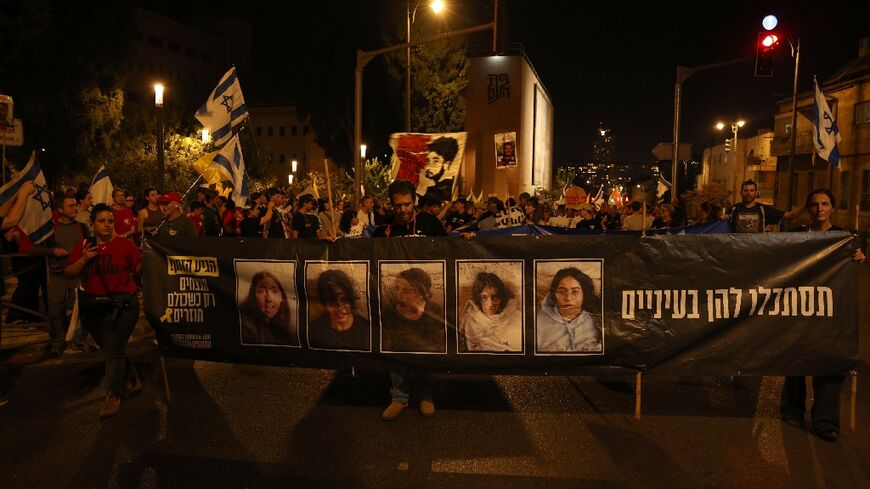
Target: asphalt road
[{"x": 244, "y": 426}]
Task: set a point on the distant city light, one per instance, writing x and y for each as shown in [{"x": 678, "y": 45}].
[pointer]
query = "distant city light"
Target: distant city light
[{"x": 769, "y": 22}]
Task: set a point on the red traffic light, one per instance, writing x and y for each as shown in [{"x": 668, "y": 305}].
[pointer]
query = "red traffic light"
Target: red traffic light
[{"x": 770, "y": 40}]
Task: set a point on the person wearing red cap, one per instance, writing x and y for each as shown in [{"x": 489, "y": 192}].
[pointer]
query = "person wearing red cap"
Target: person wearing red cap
[{"x": 176, "y": 224}]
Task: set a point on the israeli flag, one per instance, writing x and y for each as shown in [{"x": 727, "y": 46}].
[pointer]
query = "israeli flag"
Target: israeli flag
[
  {"x": 231, "y": 163},
  {"x": 36, "y": 221},
  {"x": 101, "y": 187},
  {"x": 825, "y": 129},
  {"x": 224, "y": 109}
]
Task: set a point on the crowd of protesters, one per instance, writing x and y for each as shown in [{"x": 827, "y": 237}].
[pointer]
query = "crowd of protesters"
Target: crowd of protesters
[{"x": 116, "y": 232}]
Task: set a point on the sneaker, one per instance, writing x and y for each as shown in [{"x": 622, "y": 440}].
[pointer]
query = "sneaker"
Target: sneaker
[
  {"x": 829, "y": 434},
  {"x": 393, "y": 411},
  {"x": 133, "y": 387},
  {"x": 111, "y": 406},
  {"x": 427, "y": 408}
]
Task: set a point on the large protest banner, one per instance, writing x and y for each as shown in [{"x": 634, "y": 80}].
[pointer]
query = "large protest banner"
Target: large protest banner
[{"x": 719, "y": 304}]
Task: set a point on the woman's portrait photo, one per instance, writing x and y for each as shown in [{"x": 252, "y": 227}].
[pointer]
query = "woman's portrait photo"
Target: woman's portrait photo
[
  {"x": 412, "y": 307},
  {"x": 338, "y": 306},
  {"x": 569, "y": 315},
  {"x": 489, "y": 302},
  {"x": 268, "y": 304}
]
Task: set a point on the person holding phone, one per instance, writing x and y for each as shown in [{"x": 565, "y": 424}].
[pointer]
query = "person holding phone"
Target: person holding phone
[{"x": 108, "y": 265}]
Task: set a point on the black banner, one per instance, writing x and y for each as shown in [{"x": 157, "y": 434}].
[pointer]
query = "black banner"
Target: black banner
[{"x": 721, "y": 304}]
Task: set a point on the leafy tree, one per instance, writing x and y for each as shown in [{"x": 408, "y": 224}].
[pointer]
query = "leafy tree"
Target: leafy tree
[{"x": 377, "y": 178}]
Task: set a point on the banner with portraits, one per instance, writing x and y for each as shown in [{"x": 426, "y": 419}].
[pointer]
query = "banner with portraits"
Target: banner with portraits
[
  {"x": 716, "y": 304},
  {"x": 505, "y": 150},
  {"x": 430, "y": 161}
]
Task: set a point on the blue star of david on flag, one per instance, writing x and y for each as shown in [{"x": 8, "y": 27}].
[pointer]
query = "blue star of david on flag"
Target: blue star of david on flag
[
  {"x": 224, "y": 110},
  {"x": 827, "y": 133},
  {"x": 228, "y": 102},
  {"x": 42, "y": 195}
]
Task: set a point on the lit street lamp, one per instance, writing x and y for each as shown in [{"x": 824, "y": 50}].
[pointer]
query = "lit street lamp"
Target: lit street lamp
[
  {"x": 437, "y": 6},
  {"x": 158, "y": 103}
]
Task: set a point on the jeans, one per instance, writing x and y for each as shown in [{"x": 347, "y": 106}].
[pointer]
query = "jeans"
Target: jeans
[
  {"x": 402, "y": 382},
  {"x": 825, "y": 412},
  {"x": 60, "y": 293},
  {"x": 111, "y": 331}
]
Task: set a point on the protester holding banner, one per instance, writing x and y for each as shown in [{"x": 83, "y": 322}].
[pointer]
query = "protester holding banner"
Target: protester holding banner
[
  {"x": 750, "y": 216},
  {"x": 266, "y": 315},
  {"x": 825, "y": 413},
  {"x": 569, "y": 318},
  {"x": 109, "y": 306},
  {"x": 406, "y": 222},
  {"x": 341, "y": 327},
  {"x": 491, "y": 319}
]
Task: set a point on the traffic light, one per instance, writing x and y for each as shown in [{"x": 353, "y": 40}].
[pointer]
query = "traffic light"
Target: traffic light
[
  {"x": 728, "y": 144},
  {"x": 767, "y": 42}
]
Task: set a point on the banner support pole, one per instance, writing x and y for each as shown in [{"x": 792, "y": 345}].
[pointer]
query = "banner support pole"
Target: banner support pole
[
  {"x": 329, "y": 195},
  {"x": 852, "y": 401},
  {"x": 165, "y": 380},
  {"x": 637, "y": 392}
]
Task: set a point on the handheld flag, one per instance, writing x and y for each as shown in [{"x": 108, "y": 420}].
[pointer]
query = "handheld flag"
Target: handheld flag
[
  {"x": 224, "y": 109},
  {"x": 825, "y": 129},
  {"x": 101, "y": 187},
  {"x": 36, "y": 221},
  {"x": 226, "y": 164}
]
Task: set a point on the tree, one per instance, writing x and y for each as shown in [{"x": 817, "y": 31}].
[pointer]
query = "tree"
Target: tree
[{"x": 377, "y": 178}]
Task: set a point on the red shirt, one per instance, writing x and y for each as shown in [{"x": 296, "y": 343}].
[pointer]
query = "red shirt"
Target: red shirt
[
  {"x": 197, "y": 222},
  {"x": 117, "y": 259},
  {"x": 124, "y": 220}
]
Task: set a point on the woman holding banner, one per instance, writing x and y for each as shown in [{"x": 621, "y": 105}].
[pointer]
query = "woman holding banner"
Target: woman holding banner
[
  {"x": 825, "y": 412},
  {"x": 108, "y": 265}
]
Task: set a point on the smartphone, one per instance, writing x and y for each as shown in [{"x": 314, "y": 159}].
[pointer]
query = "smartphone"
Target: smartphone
[{"x": 91, "y": 240}]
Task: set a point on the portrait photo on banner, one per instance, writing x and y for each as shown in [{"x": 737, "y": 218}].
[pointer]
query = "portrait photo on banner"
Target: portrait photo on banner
[
  {"x": 568, "y": 307},
  {"x": 412, "y": 306},
  {"x": 338, "y": 305},
  {"x": 431, "y": 162},
  {"x": 489, "y": 302},
  {"x": 268, "y": 302},
  {"x": 505, "y": 149}
]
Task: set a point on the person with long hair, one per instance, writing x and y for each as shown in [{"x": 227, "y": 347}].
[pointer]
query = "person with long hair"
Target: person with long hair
[
  {"x": 341, "y": 327},
  {"x": 266, "y": 315},
  {"x": 491, "y": 319},
  {"x": 569, "y": 318},
  {"x": 108, "y": 266}
]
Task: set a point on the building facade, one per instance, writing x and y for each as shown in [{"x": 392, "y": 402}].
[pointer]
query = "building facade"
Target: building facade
[
  {"x": 848, "y": 95},
  {"x": 282, "y": 137},
  {"x": 730, "y": 166},
  {"x": 505, "y": 94}
]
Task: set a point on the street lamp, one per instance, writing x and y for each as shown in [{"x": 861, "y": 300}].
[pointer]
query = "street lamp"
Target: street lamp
[
  {"x": 735, "y": 128},
  {"x": 362, "y": 151},
  {"x": 437, "y": 6},
  {"x": 204, "y": 135},
  {"x": 158, "y": 103},
  {"x": 293, "y": 165},
  {"x": 290, "y": 179}
]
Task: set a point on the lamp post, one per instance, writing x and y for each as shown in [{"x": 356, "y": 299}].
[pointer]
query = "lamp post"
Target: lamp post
[
  {"x": 158, "y": 104},
  {"x": 437, "y": 6}
]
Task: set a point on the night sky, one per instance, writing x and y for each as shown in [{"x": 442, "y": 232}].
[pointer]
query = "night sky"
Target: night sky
[{"x": 613, "y": 62}]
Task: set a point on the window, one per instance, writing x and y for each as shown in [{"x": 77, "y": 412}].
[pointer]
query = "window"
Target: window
[
  {"x": 259, "y": 131},
  {"x": 862, "y": 113},
  {"x": 155, "y": 41},
  {"x": 270, "y": 131},
  {"x": 843, "y": 195},
  {"x": 865, "y": 191},
  {"x": 173, "y": 47},
  {"x": 281, "y": 133},
  {"x": 292, "y": 130}
]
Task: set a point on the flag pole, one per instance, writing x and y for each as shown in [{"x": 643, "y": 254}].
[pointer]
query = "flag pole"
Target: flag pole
[
  {"x": 165, "y": 218},
  {"x": 329, "y": 196}
]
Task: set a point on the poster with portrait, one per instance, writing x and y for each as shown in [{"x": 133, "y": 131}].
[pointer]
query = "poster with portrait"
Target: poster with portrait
[
  {"x": 489, "y": 303},
  {"x": 412, "y": 306},
  {"x": 268, "y": 302},
  {"x": 505, "y": 150},
  {"x": 6, "y": 111},
  {"x": 568, "y": 307},
  {"x": 429, "y": 161},
  {"x": 338, "y": 305}
]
